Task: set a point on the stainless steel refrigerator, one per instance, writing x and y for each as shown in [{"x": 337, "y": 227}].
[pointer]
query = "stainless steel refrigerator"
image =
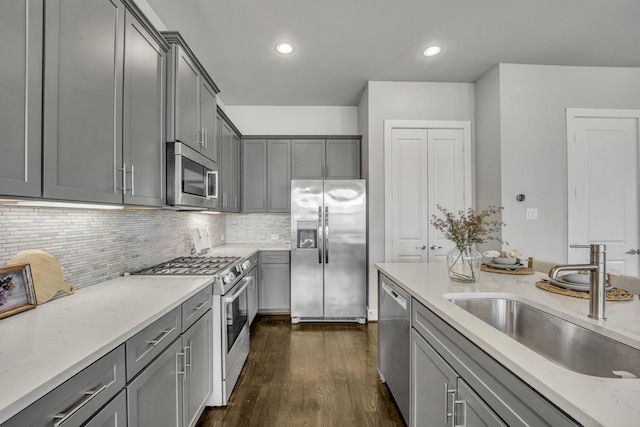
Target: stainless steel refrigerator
[{"x": 328, "y": 253}]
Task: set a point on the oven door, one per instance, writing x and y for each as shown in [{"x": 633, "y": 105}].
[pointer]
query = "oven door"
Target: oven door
[{"x": 235, "y": 321}]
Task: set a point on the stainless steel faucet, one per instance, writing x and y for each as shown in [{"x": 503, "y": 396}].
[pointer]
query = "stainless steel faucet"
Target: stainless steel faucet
[{"x": 597, "y": 277}]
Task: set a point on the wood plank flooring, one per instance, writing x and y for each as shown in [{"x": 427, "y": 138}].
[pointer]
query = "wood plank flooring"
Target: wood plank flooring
[{"x": 308, "y": 375}]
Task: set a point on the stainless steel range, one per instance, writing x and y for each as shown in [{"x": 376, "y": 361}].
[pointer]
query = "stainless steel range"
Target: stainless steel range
[{"x": 230, "y": 314}]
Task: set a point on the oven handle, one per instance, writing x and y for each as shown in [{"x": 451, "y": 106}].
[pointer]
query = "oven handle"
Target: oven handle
[{"x": 236, "y": 294}]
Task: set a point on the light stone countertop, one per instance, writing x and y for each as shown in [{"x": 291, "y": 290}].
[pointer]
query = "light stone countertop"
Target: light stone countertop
[
  {"x": 246, "y": 249},
  {"x": 43, "y": 347},
  {"x": 592, "y": 401}
]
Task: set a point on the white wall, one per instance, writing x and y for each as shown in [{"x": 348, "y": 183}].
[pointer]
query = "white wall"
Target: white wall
[
  {"x": 401, "y": 101},
  {"x": 533, "y": 100},
  {"x": 294, "y": 120}
]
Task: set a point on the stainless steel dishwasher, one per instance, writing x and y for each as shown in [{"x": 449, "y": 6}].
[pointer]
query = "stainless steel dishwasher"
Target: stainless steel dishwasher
[{"x": 394, "y": 331}]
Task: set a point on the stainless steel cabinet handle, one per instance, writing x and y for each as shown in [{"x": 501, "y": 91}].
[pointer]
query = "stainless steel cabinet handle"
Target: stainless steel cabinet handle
[
  {"x": 161, "y": 337},
  {"x": 463, "y": 411},
  {"x": 180, "y": 371},
  {"x": 188, "y": 357},
  {"x": 320, "y": 241},
  {"x": 199, "y": 306},
  {"x": 326, "y": 235},
  {"x": 133, "y": 176},
  {"x": 434, "y": 247},
  {"x": 91, "y": 394},
  {"x": 124, "y": 178},
  {"x": 206, "y": 137},
  {"x": 447, "y": 413}
]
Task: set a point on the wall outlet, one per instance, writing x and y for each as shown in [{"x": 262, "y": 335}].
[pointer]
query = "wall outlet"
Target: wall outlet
[{"x": 532, "y": 213}]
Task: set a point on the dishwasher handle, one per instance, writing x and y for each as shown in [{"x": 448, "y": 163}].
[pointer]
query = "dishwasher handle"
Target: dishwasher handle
[{"x": 393, "y": 294}]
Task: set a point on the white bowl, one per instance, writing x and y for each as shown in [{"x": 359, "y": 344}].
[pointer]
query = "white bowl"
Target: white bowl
[
  {"x": 505, "y": 261},
  {"x": 583, "y": 279}
]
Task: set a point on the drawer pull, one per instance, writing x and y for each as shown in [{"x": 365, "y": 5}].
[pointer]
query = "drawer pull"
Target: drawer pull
[
  {"x": 199, "y": 306},
  {"x": 161, "y": 337},
  {"x": 92, "y": 394}
]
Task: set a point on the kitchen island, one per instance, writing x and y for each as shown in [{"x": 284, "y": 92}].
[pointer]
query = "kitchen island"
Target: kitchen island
[{"x": 591, "y": 401}]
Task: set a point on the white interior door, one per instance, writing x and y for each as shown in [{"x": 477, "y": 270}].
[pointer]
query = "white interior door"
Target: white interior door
[
  {"x": 602, "y": 153},
  {"x": 409, "y": 196},
  {"x": 427, "y": 164}
]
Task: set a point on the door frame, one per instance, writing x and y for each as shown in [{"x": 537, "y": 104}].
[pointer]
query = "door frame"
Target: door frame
[
  {"x": 572, "y": 114},
  {"x": 469, "y": 156}
]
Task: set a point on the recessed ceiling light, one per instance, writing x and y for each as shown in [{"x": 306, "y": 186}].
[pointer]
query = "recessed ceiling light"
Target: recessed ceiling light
[
  {"x": 432, "y": 51},
  {"x": 284, "y": 48}
]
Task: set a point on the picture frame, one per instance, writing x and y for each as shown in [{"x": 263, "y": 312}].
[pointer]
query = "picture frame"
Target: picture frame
[{"x": 17, "y": 292}]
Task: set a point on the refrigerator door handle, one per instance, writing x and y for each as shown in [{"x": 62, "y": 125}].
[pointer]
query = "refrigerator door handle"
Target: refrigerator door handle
[
  {"x": 326, "y": 235},
  {"x": 319, "y": 243}
]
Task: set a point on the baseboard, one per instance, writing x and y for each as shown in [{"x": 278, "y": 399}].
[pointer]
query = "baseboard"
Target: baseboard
[{"x": 372, "y": 314}]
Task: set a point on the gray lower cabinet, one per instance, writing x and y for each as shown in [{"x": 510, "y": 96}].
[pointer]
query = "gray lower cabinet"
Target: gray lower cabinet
[
  {"x": 439, "y": 396},
  {"x": 274, "y": 290},
  {"x": 325, "y": 158},
  {"x": 104, "y": 79},
  {"x": 266, "y": 180},
  {"x": 114, "y": 414},
  {"x": 456, "y": 383},
  {"x": 78, "y": 399},
  {"x": 173, "y": 389},
  {"x": 21, "y": 26}
]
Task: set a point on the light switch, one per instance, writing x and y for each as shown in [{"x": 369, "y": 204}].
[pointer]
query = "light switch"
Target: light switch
[{"x": 532, "y": 213}]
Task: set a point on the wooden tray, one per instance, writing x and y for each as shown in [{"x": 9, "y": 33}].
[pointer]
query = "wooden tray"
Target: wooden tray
[
  {"x": 520, "y": 271},
  {"x": 613, "y": 294}
]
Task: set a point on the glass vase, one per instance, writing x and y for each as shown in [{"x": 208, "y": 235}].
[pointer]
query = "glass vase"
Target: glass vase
[{"x": 464, "y": 264}]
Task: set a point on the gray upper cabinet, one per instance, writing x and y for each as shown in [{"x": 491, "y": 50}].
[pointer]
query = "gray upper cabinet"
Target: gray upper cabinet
[
  {"x": 279, "y": 175},
  {"x": 191, "y": 99},
  {"x": 21, "y": 95},
  {"x": 229, "y": 145},
  {"x": 308, "y": 159},
  {"x": 325, "y": 158},
  {"x": 83, "y": 67},
  {"x": 144, "y": 115},
  {"x": 343, "y": 159},
  {"x": 254, "y": 174},
  {"x": 104, "y": 80}
]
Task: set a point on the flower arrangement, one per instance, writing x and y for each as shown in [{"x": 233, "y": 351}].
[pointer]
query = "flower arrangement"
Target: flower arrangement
[
  {"x": 465, "y": 231},
  {"x": 6, "y": 285},
  {"x": 469, "y": 228}
]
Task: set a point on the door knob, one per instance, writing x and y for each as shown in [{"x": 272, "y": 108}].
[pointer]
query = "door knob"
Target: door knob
[
  {"x": 633, "y": 252},
  {"x": 423, "y": 247},
  {"x": 434, "y": 247}
]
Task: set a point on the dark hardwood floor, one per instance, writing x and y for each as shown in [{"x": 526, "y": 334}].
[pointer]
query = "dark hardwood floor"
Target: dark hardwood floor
[{"x": 308, "y": 375}]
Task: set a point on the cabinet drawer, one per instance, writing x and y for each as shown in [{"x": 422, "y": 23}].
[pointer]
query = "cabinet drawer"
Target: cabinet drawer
[
  {"x": 75, "y": 401},
  {"x": 148, "y": 343},
  {"x": 195, "y": 307},
  {"x": 274, "y": 257}
]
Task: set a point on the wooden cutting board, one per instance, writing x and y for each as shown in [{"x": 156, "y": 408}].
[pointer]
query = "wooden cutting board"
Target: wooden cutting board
[{"x": 46, "y": 273}]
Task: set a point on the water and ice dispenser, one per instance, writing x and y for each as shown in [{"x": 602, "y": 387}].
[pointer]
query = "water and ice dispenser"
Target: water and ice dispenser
[{"x": 307, "y": 234}]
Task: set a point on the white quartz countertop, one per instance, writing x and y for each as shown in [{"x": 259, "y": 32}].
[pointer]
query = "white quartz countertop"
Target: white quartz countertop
[
  {"x": 246, "y": 249},
  {"x": 592, "y": 401},
  {"x": 43, "y": 347}
]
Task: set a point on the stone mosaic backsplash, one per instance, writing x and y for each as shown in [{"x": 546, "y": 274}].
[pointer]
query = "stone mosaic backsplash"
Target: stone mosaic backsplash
[
  {"x": 97, "y": 245},
  {"x": 258, "y": 228}
]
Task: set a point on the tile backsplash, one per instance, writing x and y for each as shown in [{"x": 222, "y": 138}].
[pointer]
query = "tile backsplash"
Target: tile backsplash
[
  {"x": 96, "y": 245},
  {"x": 258, "y": 228}
]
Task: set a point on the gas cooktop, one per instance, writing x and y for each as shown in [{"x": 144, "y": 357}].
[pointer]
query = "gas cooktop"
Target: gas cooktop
[{"x": 190, "y": 265}]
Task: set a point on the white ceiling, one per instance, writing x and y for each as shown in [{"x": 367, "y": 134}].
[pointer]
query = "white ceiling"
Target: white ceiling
[{"x": 341, "y": 44}]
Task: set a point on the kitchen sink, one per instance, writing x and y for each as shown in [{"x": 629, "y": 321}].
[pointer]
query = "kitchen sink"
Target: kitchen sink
[{"x": 565, "y": 343}]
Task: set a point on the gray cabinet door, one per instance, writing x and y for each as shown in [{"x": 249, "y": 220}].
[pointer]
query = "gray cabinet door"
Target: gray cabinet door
[
  {"x": 208, "y": 118},
  {"x": 187, "y": 86},
  {"x": 471, "y": 411},
  {"x": 83, "y": 69},
  {"x": 225, "y": 167},
  {"x": 154, "y": 398},
  {"x": 433, "y": 384},
  {"x": 343, "y": 159},
  {"x": 274, "y": 290},
  {"x": 235, "y": 198},
  {"x": 307, "y": 159},
  {"x": 21, "y": 95},
  {"x": 279, "y": 175},
  {"x": 254, "y": 175},
  {"x": 144, "y": 112},
  {"x": 197, "y": 342}
]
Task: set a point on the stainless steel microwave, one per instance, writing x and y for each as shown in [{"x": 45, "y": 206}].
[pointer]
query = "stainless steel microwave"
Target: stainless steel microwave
[{"x": 192, "y": 179}]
